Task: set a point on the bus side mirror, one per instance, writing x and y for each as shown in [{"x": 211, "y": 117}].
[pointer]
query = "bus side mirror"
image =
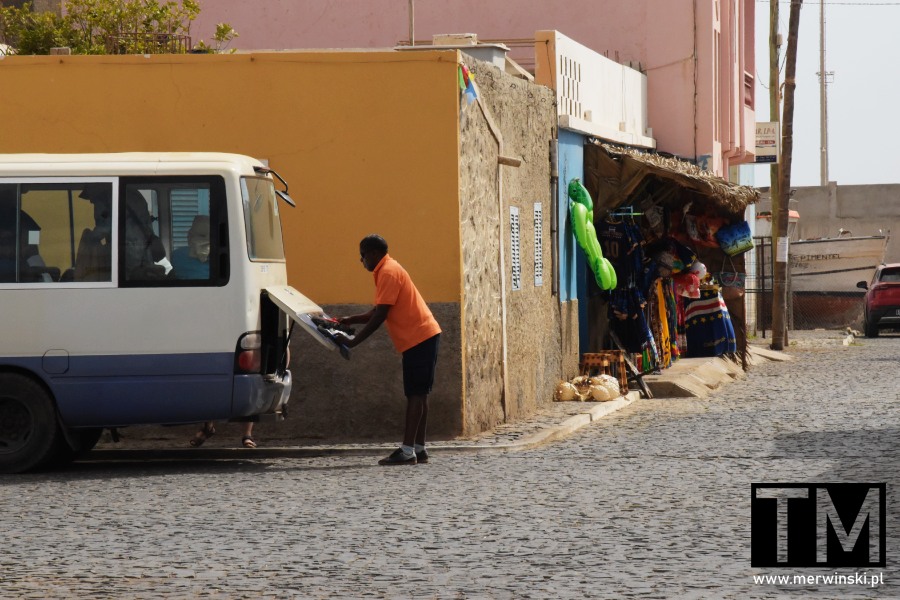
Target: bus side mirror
[{"x": 284, "y": 196}]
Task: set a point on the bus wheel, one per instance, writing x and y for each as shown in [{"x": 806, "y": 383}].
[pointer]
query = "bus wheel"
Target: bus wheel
[{"x": 28, "y": 427}]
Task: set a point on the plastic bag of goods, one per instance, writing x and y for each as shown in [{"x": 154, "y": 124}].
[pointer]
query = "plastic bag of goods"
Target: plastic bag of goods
[
  {"x": 600, "y": 393},
  {"x": 565, "y": 392},
  {"x": 583, "y": 387},
  {"x": 609, "y": 382}
]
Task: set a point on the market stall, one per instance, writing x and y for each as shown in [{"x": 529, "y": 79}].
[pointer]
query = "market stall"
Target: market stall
[{"x": 675, "y": 236}]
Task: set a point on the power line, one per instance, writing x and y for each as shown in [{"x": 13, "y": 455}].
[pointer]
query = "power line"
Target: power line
[{"x": 839, "y": 3}]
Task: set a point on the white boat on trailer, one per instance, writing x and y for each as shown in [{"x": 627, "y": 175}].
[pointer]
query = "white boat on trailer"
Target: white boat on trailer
[{"x": 834, "y": 265}]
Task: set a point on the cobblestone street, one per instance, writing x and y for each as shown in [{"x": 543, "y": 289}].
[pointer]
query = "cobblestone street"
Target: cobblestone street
[{"x": 652, "y": 501}]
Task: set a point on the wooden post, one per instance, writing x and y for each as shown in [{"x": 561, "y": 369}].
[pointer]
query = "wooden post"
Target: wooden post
[{"x": 780, "y": 211}]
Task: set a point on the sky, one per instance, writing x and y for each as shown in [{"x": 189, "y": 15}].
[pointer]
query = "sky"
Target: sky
[{"x": 863, "y": 95}]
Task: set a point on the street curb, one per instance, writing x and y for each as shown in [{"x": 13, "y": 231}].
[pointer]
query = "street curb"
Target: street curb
[
  {"x": 575, "y": 423},
  {"x": 535, "y": 440},
  {"x": 699, "y": 377},
  {"x": 768, "y": 353},
  {"x": 693, "y": 377}
]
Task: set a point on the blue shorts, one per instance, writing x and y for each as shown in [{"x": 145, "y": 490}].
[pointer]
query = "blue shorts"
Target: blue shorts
[{"x": 418, "y": 367}]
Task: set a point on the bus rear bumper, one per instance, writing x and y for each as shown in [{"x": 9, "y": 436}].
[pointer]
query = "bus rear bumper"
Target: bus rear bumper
[{"x": 257, "y": 395}]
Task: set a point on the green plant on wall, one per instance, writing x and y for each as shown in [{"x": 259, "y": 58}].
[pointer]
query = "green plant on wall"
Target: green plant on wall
[
  {"x": 108, "y": 27},
  {"x": 223, "y": 36},
  {"x": 28, "y": 32}
]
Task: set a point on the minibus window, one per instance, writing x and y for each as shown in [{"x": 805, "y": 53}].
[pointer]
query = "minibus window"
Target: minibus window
[
  {"x": 52, "y": 232},
  {"x": 264, "y": 241},
  {"x": 173, "y": 232}
]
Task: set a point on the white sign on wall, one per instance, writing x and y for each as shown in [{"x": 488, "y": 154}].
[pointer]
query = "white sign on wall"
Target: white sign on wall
[
  {"x": 515, "y": 256},
  {"x": 768, "y": 142},
  {"x": 538, "y": 245}
]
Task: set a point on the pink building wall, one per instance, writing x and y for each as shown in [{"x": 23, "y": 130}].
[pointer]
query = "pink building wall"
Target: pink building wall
[{"x": 698, "y": 54}]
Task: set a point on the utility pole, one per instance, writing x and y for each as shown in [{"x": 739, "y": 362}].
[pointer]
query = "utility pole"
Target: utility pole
[
  {"x": 823, "y": 97},
  {"x": 774, "y": 169},
  {"x": 780, "y": 216},
  {"x": 412, "y": 22}
]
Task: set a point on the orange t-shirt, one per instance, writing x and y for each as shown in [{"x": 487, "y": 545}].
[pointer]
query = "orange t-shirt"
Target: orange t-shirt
[{"x": 409, "y": 321}]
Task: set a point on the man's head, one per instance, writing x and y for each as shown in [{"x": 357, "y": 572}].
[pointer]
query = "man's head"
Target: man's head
[
  {"x": 100, "y": 195},
  {"x": 372, "y": 249},
  {"x": 198, "y": 238}
]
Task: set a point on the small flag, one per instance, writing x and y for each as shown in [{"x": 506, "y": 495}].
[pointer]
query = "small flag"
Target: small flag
[{"x": 467, "y": 84}]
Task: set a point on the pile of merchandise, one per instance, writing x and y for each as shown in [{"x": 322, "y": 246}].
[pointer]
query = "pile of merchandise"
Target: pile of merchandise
[{"x": 600, "y": 388}]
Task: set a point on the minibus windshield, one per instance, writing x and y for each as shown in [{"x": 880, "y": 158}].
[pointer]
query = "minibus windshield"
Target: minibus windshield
[{"x": 264, "y": 241}]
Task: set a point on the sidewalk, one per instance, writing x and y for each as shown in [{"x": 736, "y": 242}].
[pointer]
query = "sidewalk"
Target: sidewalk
[{"x": 687, "y": 378}]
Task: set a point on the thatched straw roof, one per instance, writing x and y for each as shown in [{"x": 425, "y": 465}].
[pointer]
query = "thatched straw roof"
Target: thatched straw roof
[{"x": 622, "y": 173}]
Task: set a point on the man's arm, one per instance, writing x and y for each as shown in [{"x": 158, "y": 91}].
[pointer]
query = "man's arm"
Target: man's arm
[
  {"x": 376, "y": 317},
  {"x": 356, "y": 319}
]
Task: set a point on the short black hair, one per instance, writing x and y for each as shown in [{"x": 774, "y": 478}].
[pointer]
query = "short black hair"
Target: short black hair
[{"x": 373, "y": 243}]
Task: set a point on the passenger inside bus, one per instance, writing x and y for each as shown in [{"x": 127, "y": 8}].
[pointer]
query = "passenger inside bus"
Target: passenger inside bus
[
  {"x": 192, "y": 261},
  {"x": 19, "y": 244},
  {"x": 93, "y": 262},
  {"x": 145, "y": 255}
]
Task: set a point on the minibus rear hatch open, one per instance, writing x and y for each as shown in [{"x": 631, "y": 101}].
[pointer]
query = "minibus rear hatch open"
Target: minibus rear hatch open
[{"x": 303, "y": 311}]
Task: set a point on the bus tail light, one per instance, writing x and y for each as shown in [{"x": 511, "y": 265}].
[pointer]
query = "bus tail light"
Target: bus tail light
[{"x": 248, "y": 357}]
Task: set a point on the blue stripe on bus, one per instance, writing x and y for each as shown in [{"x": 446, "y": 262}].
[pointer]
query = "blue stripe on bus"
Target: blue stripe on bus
[{"x": 110, "y": 391}]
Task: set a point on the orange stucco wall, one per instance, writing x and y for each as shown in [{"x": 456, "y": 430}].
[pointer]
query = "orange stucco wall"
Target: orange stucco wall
[{"x": 368, "y": 142}]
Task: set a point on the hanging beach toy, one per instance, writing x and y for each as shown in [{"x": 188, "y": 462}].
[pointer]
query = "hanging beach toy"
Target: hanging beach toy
[{"x": 581, "y": 211}]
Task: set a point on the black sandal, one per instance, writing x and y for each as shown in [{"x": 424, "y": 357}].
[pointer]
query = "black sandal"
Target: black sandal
[
  {"x": 204, "y": 434},
  {"x": 248, "y": 442}
]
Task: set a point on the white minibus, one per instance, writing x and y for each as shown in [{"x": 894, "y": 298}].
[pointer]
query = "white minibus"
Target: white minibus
[{"x": 138, "y": 288}]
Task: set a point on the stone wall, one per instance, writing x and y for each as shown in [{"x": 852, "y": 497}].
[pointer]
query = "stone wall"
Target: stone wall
[
  {"x": 480, "y": 228},
  {"x": 523, "y": 115}
]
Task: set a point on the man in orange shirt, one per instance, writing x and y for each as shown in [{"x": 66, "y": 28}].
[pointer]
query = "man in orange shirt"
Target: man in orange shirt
[{"x": 415, "y": 334}]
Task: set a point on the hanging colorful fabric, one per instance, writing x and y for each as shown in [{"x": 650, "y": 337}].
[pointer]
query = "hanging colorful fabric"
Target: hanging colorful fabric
[
  {"x": 662, "y": 323},
  {"x": 708, "y": 326},
  {"x": 735, "y": 238}
]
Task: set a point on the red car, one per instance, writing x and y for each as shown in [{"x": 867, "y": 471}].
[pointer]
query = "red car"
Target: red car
[{"x": 882, "y": 300}]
